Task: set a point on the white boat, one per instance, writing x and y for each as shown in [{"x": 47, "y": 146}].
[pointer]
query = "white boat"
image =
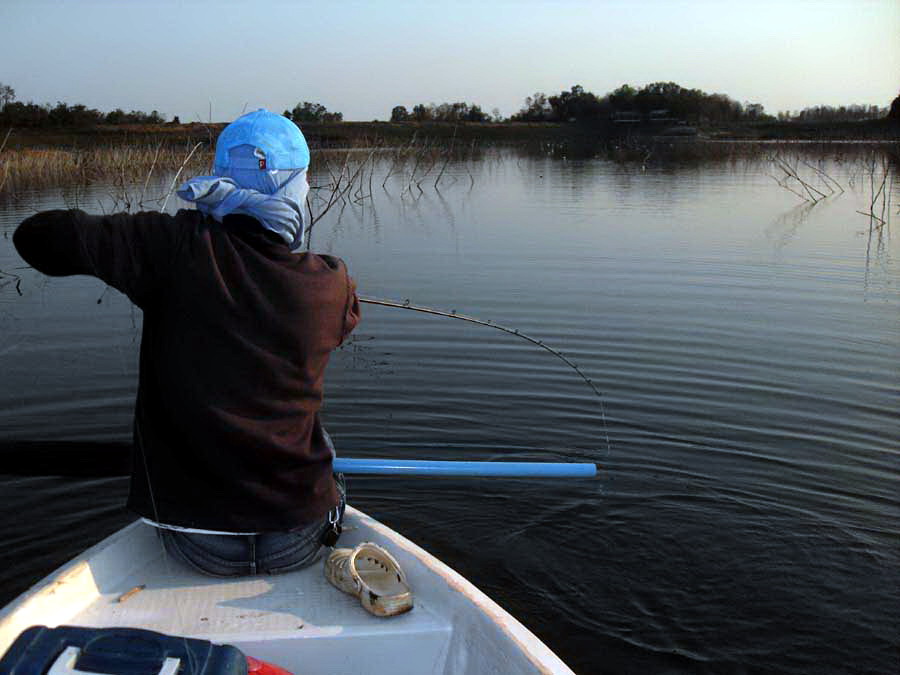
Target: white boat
[{"x": 297, "y": 621}]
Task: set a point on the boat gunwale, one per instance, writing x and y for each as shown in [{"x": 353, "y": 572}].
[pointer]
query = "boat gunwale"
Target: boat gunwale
[{"x": 540, "y": 655}]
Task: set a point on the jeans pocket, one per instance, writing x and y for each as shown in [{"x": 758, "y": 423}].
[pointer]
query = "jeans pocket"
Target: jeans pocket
[
  {"x": 188, "y": 551},
  {"x": 290, "y": 550},
  {"x": 306, "y": 558}
]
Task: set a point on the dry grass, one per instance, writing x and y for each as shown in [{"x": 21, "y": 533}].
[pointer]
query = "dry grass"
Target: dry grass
[{"x": 27, "y": 169}]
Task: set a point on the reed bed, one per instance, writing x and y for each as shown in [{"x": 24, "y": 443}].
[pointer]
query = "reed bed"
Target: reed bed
[{"x": 29, "y": 169}]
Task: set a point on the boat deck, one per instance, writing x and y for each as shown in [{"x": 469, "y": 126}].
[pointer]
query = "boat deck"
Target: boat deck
[
  {"x": 265, "y": 616},
  {"x": 296, "y": 620}
]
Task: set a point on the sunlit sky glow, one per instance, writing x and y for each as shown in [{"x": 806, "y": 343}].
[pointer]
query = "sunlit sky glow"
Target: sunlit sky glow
[{"x": 364, "y": 58}]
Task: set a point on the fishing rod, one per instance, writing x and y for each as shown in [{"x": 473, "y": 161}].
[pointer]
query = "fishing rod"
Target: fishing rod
[{"x": 511, "y": 331}]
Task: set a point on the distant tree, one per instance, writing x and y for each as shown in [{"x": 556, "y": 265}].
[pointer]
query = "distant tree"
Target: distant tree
[
  {"x": 657, "y": 100},
  {"x": 20, "y": 114},
  {"x": 460, "y": 111},
  {"x": 119, "y": 116},
  {"x": 536, "y": 109},
  {"x": 622, "y": 99},
  {"x": 894, "y": 112},
  {"x": 399, "y": 113},
  {"x": 308, "y": 112},
  {"x": 476, "y": 112},
  {"x": 447, "y": 112},
  {"x": 78, "y": 115},
  {"x": 116, "y": 116},
  {"x": 422, "y": 112},
  {"x": 844, "y": 113},
  {"x": 575, "y": 105},
  {"x": 754, "y": 111},
  {"x": 7, "y": 95},
  {"x": 496, "y": 115}
]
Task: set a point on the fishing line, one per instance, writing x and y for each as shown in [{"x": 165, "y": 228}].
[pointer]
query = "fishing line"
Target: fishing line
[
  {"x": 512, "y": 331},
  {"x": 159, "y": 535}
]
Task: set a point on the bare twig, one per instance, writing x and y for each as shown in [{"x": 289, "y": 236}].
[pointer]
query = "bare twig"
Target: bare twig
[
  {"x": 149, "y": 173},
  {"x": 825, "y": 177},
  {"x": 792, "y": 172},
  {"x": 177, "y": 174},
  {"x": 788, "y": 187},
  {"x": 339, "y": 193},
  {"x": 869, "y": 214}
]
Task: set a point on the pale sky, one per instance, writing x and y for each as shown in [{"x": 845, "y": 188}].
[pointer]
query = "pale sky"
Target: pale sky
[{"x": 363, "y": 58}]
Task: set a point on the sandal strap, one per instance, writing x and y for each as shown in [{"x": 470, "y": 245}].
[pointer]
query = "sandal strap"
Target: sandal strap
[{"x": 378, "y": 553}]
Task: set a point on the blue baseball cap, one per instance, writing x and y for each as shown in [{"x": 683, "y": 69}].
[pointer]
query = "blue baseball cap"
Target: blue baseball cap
[{"x": 278, "y": 144}]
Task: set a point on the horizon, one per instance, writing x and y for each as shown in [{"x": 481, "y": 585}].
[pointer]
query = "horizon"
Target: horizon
[{"x": 362, "y": 60}]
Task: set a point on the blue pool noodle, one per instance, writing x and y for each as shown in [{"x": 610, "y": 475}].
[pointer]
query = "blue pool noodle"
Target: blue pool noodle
[{"x": 427, "y": 467}]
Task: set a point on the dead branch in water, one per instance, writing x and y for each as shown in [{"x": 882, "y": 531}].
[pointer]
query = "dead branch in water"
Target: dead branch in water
[
  {"x": 881, "y": 193},
  {"x": 828, "y": 180},
  {"x": 338, "y": 191},
  {"x": 791, "y": 172}
]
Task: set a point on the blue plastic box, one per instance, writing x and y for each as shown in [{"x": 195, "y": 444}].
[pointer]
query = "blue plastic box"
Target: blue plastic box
[{"x": 117, "y": 651}]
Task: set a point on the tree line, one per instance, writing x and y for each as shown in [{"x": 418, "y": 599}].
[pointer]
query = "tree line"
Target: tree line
[
  {"x": 15, "y": 113},
  {"x": 661, "y": 101},
  {"x": 828, "y": 113},
  {"x": 669, "y": 100},
  {"x": 459, "y": 111},
  {"x": 308, "y": 112},
  {"x": 658, "y": 101}
]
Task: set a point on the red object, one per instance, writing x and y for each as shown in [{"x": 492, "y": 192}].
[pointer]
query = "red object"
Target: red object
[{"x": 257, "y": 667}]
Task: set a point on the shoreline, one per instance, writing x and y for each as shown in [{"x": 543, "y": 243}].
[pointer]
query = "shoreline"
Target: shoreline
[{"x": 348, "y": 134}]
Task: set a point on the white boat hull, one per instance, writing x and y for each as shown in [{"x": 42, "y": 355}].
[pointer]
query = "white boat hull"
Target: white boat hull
[{"x": 295, "y": 620}]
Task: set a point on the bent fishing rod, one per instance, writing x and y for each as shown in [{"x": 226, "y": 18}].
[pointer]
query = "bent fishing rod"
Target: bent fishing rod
[{"x": 506, "y": 469}]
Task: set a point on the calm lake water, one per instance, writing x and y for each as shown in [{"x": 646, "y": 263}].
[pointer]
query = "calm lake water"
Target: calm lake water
[{"x": 747, "y": 513}]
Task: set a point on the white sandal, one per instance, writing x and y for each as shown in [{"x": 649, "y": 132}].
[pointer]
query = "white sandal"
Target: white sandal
[{"x": 373, "y": 575}]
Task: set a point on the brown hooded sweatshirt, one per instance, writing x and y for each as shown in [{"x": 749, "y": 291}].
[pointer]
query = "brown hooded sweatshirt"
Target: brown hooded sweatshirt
[{"x": 237, "y": 332}]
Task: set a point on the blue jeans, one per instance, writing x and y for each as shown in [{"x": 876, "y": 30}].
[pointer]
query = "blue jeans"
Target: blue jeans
[{"x": 231, "y": 555}]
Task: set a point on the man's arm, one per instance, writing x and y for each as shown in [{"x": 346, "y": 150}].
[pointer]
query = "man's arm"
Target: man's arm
[{"x": 131, "y": 253}]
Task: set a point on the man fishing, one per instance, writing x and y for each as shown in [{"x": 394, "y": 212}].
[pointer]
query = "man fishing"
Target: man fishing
[{"x": 231, "y": 461}]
